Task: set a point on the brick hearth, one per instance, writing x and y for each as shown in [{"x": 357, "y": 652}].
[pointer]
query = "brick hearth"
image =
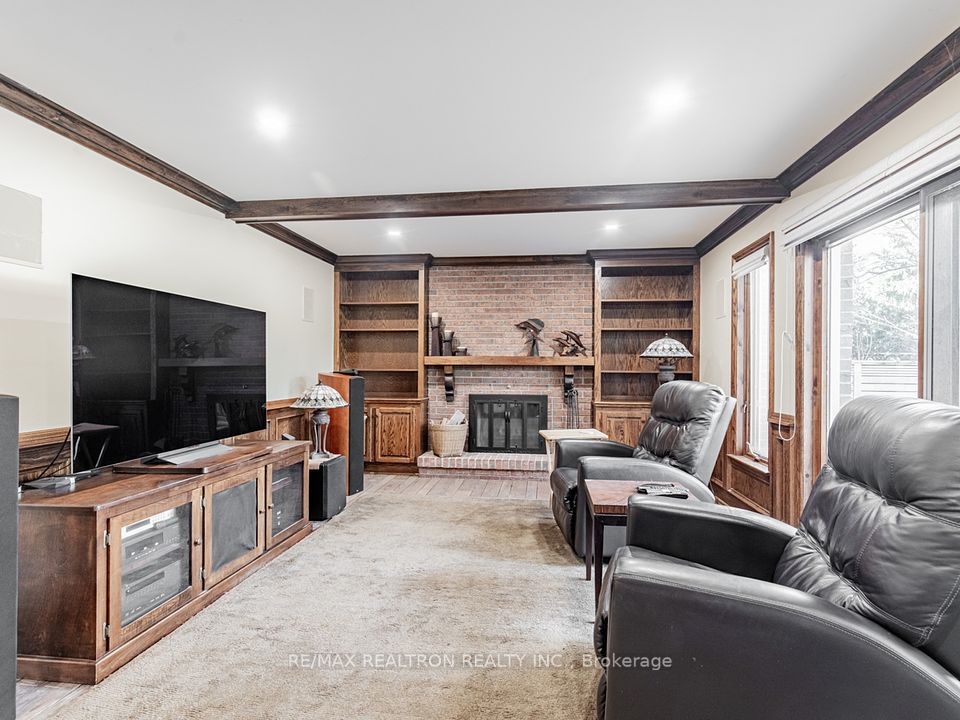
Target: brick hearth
[{"x": 515, "y": 466}]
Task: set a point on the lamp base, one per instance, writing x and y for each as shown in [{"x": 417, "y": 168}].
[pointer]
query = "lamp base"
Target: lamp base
[
  {"x": 321, "y": 425},
  {"x": 667, "y": 373}
]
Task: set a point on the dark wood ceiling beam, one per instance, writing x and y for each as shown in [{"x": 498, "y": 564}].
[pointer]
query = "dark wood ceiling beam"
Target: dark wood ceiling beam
[
  {"x": 288, "y": 236},
  {"x": 922, "y": 78},
  {"x": 52, "y": 116},
  {"x": 742, "y": 217},
  {"x": 43, "y": 111},
  {"x": 482, "y": 260},
  {"x": 513, "y": 202}
]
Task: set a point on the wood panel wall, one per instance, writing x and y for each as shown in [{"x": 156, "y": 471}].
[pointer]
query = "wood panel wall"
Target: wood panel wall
[
  {"x": 772, "y": 489},
  {"x": 44, "y": 450}
]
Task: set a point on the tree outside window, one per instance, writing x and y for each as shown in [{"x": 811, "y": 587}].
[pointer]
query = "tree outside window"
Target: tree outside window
[{"x": 873, "y": 323}]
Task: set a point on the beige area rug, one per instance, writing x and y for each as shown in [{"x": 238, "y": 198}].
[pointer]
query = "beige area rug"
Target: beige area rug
[{"x": 400, "y": 607}]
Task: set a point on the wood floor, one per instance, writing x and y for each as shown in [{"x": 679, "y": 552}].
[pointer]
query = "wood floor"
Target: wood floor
[{"x": 37, "y": 700}]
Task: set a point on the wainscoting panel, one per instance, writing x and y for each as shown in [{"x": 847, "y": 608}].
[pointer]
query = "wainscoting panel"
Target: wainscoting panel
[
  {"x": 768, "y": 489},
  {"x": 784, "y": 481},
  {"x": 47, "y": 452}
]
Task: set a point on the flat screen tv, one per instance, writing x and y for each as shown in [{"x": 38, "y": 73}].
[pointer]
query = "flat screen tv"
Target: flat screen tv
[{"x": 158, "y": 372}]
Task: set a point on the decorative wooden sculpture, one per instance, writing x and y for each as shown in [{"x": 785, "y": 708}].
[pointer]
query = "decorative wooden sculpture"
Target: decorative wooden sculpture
[
  {"x": 532, "y": 329},
  {"x": 436, "y": 338},
  {"x": 570, "y": 345},
  {"x": 448, "y": 342}
]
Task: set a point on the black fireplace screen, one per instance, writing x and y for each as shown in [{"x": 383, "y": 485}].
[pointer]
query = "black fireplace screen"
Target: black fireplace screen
[{"x": 507, "y": 423}]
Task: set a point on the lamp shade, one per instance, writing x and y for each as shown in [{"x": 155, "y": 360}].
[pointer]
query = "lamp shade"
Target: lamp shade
[
  {"x": 319, "y": 397},
  {"x": 666, "y": 347}
]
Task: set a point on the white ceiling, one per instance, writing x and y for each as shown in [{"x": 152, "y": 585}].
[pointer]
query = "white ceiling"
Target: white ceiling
[{"x": 433, "y": 95}]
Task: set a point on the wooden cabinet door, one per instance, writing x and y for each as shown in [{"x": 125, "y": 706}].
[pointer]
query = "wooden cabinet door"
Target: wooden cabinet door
[
  {"x": 234, "y": 518},
  {"x": 154, "y": 561},
  {"x": 624, "y": 423},
  {"x": 368, "y": 434},
  {"x": 287, "y": 489},
  {"x": 395, "y": 434}
]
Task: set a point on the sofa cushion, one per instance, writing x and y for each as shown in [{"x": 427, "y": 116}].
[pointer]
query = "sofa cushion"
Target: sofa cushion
[
  {"x": 683, "y": 417},
  {"x": 880, "y": 534},
  {"x": 563, "y": 484}
]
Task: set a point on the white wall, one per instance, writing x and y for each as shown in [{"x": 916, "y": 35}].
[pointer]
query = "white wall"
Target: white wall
[
  {"x": 715, "y": 265},
  {"x": 101, "y": 219}
]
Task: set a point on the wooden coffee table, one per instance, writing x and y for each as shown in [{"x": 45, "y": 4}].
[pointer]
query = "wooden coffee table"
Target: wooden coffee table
[{"x": 606, "y": 505}]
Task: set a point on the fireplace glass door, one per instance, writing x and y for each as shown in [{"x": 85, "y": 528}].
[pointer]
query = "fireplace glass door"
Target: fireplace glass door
[{"x": 507, "y": 423}]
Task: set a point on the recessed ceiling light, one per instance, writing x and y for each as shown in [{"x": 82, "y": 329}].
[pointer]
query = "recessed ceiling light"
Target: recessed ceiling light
[
  {"x": 668, "y": 99},
  {"x": 394, "y": 234},
  {"x": 272, "y": 124},
  {"x": 611, "y": 227}
]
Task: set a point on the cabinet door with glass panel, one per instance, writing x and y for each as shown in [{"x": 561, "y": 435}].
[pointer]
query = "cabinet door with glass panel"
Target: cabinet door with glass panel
[
  {"x": 154, "y": 561},
  {"x": 286, "y": 499},
  {"x": 234, "y": 515}
]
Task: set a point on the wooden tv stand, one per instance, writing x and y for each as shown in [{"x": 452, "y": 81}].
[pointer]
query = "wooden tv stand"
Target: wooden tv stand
[{"x": 113, "y": 565}]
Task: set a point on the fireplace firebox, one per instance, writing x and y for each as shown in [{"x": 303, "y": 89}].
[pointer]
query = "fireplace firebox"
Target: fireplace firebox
[{"x": 507, "y": 423}]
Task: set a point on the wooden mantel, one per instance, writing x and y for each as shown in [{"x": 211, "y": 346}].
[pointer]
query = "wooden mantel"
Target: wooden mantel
[
  {"x": 448, "y": 362},
  {"x": 490, "y": 360}
]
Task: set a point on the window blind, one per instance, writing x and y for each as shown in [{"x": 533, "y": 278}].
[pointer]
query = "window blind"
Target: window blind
[
  {"x": 751, "y": 262},
  {"x": 899, "y": 175}
]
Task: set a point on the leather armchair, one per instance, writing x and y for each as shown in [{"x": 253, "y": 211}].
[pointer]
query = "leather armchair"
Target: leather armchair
[
  {"x": 854, "y": 615},
  {"x": 679, "y": 443}
]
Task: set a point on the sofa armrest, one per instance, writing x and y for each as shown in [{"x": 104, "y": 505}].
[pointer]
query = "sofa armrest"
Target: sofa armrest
[
  {"x": 636, "y": 471},
  {"x": 688, "y": 642},
  {"x": 570, "y": 451},
  {"x": 728, "y": 539}
]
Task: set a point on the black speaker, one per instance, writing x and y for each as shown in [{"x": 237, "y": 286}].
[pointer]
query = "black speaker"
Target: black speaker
[
  {"x": 9, "y": 468},
  {"x": 328, "y": 488}
]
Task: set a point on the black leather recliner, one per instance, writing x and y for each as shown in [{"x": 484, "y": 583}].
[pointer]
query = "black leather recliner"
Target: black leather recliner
[
  {"x": 679, "y": 443},
  {"x": 854, "y": 615}
]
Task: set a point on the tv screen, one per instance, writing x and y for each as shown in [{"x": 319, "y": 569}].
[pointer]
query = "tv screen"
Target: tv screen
[{"x": 153, "y": 371}]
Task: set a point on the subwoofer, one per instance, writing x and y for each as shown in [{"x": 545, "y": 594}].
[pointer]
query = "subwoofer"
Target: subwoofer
[{"x": 328, "y": 488}]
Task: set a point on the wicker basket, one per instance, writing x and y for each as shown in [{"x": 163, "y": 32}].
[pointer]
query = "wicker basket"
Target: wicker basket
[{"x": 447, "y": 440}]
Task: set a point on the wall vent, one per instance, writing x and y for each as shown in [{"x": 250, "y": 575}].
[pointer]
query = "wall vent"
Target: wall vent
[
  {"x": 308, "y": 304},
  {"x": 20, "y": 227}
]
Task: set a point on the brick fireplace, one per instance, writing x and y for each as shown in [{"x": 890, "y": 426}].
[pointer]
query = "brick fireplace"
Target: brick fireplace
[{"x": 482, "y": 304}]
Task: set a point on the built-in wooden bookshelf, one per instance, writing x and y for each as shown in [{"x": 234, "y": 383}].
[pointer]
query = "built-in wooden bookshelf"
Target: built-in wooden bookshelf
[
  {"x": 379, "y": 328},
  {"x": 637, "y": 300}
]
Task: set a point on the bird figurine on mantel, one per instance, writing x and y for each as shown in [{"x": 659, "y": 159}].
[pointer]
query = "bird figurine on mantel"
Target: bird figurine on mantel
[{"x": 532, "y": 329}]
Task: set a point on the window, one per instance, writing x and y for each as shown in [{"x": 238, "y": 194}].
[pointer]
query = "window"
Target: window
[
  {"x": 752, "y": 320},
  {"x": 872, "y": 319},
  {"x": 941, "y": 207}
]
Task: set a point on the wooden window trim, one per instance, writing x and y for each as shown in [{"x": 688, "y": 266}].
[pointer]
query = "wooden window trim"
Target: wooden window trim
[
  {"x": 809, "y": 373},
  {"x": 739, "y": 365}
]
